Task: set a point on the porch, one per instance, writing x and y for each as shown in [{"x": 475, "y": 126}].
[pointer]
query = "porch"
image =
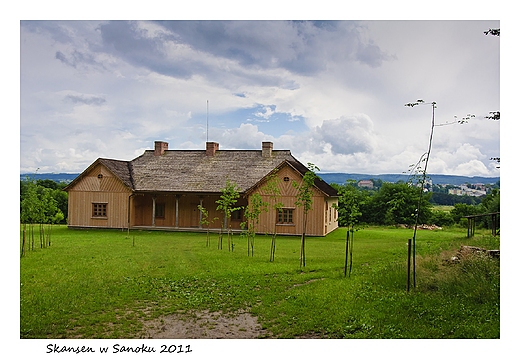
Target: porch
[{"x": 179, "y": 212}]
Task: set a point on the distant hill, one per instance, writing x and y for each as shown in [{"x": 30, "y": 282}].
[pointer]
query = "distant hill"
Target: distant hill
[
  {"x": 57, "y": 177},
  {"x": 341, "y": 178}
]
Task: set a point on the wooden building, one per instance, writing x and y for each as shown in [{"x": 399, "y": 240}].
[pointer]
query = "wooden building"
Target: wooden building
[{"x": 162, "y": 189}]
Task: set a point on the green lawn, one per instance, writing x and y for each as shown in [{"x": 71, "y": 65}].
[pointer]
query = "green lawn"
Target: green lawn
[
  {"x": 104, "y": 283},
  {"x": 442, "y": 208}
]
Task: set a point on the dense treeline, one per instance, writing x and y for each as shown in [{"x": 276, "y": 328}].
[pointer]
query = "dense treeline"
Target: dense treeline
[
  {"x": 43, "y": 190},
  {"x": 42, "y": 204},
  {"x": 396, "y": 203},
  {"x": 445, "y": 199},
  {"x": 45, "y": 202}
]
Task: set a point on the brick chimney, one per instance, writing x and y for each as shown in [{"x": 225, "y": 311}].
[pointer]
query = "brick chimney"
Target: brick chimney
[
  {"x": 211, "y": 148},
  {"x": 267, "y": 149},
  {"x": 160, "y": 147}
]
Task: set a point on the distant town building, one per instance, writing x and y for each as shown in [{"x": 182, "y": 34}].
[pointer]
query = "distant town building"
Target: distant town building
[
  {"x": 366, "y": 183},
  {"x": 480, "y": 186},
  {"x": 466, "y": 191}
]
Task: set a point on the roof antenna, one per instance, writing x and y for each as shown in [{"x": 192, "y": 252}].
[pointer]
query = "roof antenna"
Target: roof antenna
[{"x": 207, "y": 121}]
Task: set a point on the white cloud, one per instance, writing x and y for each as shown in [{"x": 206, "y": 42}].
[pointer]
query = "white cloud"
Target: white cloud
[
  {"x": 332, "y": 92},
  {"x": 347, "y": 135},
  {"x": 246, "y": 136},
  {"x": 472, "y": 168},
  {"x": 265, "y": 113}
]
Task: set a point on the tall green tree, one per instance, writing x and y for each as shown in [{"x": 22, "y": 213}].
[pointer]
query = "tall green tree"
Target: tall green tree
[
  {"x": 28, "y": 213},
  {"x": 227, "y": 204},
  {"x": 396, "y": 203},
  {"x": 49, "y": 211},
  {"x": 272, "y": 189},
  {"x": 491, "y": 204},
  {"x": 206, "y": 221},
  {"x": 60, "y": 196},
  {"x": 252, "y": 212},
  {"x": 423, "y": 171},
  {"x": 460, "y": 210},
  {"x": 38, "y": 206},
  {"x": 350, "y": 201},
  {"x": 62, "y": 202},
  {"x": 304, "y": 200}
]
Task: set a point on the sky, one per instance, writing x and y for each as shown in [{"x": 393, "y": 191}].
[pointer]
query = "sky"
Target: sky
[{"x": 332, "y": 92}]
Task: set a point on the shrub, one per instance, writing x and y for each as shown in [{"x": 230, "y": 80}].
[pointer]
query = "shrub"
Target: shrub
[{"x": 442, "y": 219}]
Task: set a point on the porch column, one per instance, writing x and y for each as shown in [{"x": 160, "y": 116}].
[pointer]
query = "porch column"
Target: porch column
[
  {"x": 200, "y": 211},
  {"x": 130, "y": 203},
  {"x": 153, "y": 211},
  {"x": 177, "y": 211}
]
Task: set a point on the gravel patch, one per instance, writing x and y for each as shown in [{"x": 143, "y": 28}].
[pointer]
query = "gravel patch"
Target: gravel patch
[{"x": 205, "y": 325}]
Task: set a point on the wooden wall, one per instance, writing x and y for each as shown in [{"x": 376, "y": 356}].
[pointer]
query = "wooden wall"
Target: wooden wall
[
  {"x": 209, "y": 202},
  {"x": 331, "y": 215},
  {"x": 318, "y": 223},
  {"x": 91, "y": 189},
  {"x": 322, "y": 219}
]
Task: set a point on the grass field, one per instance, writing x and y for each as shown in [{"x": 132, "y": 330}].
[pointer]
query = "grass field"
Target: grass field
[
  {"x": 442, "y": 208},
  {"x": 105, "y": 283}
]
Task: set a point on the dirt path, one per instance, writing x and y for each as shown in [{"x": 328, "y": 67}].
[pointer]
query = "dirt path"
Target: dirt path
[{"x": 205, "y": 325}]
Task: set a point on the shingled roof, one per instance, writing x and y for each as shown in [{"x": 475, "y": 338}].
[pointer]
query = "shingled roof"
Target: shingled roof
[
  {"x": 197, "y": 172},
  {"x": 194, "y": 171},
  {"x": 120, "y": 169}
]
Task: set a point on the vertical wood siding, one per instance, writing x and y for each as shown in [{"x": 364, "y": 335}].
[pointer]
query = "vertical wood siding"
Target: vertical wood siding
[
  {"x": 92, "y": 189},
  {"x": 331, "y": 215},
  {"x": 318, "y": 223}
]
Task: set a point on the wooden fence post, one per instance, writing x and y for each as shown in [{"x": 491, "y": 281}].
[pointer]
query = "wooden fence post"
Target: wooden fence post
[{"x": 408, "y": 270}]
